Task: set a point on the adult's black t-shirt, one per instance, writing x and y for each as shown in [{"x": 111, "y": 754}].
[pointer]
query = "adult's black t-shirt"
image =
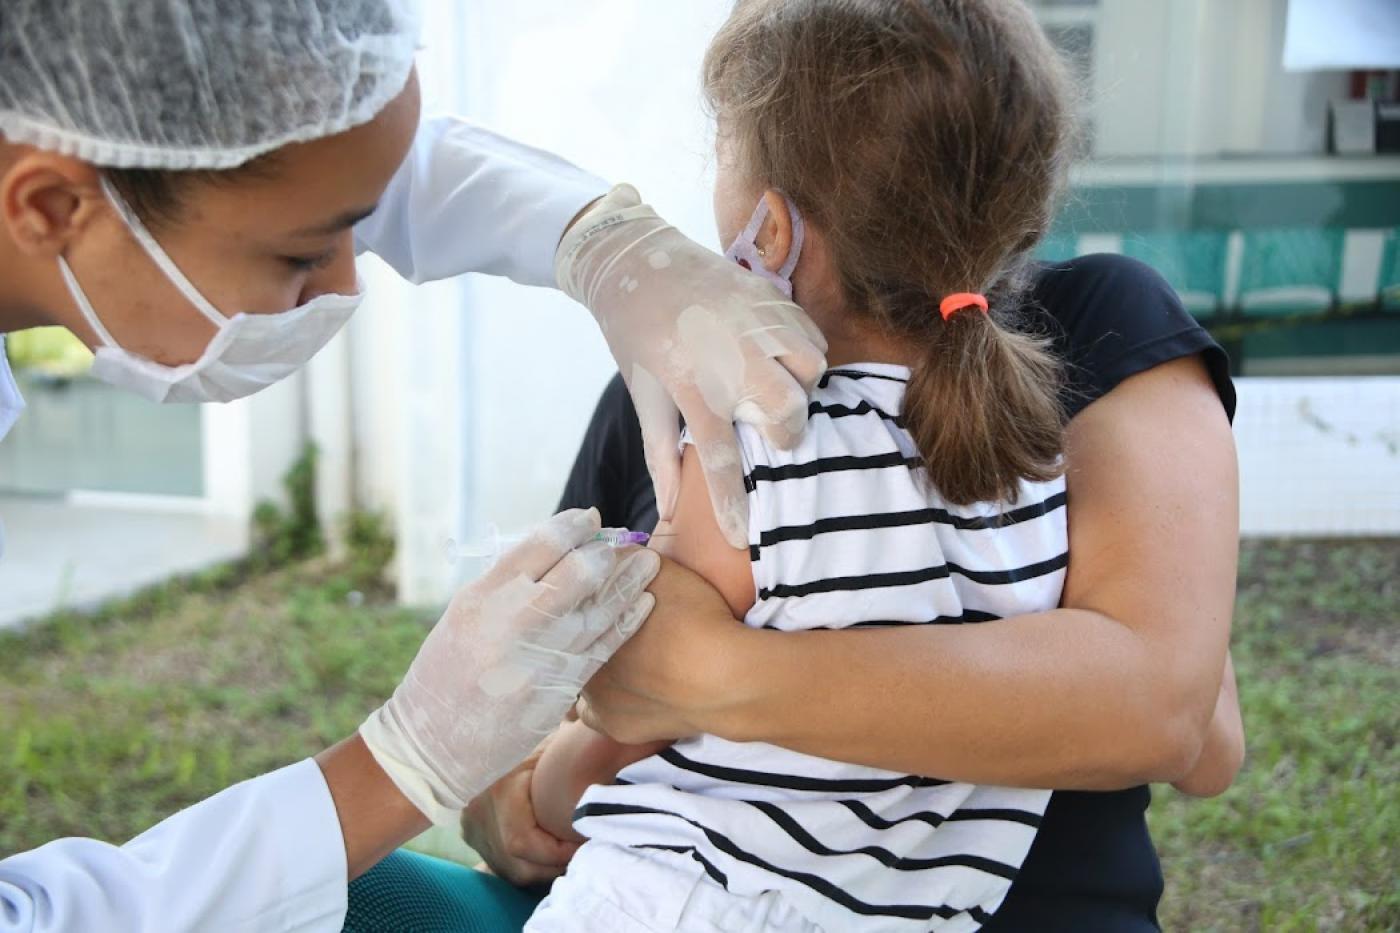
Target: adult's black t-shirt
[{"x": 1092, "y": 866}]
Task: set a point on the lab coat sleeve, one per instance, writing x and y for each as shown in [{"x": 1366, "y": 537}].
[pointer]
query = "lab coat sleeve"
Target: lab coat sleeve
[
  {"x": 263, "y": 855},
  {"x": 466, "y": 199}
]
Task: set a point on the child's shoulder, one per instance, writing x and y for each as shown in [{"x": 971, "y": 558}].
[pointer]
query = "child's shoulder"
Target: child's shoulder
[{"x": 854, "y": 411}]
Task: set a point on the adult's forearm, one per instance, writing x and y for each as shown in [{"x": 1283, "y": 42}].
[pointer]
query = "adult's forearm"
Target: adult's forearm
[
  {"x": 375, "y": 818},
  {"x": 1068, "y": 699},
  {"x": 1222, "y": 752}
]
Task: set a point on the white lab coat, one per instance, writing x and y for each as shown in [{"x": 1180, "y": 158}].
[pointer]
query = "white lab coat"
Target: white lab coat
[{"x": 267, "y": 854}]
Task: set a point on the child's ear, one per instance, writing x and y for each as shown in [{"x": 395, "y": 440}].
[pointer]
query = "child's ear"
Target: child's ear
[{"x": 774, "y": 239}]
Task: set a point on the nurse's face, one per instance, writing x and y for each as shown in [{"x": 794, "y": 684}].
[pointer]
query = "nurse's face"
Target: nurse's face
[{"x": 262, "y": 239}]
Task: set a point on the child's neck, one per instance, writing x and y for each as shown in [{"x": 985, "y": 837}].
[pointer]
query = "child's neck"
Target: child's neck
[
  {"x": 851, "y": 337},
  {"x": 852, "y": 340}
]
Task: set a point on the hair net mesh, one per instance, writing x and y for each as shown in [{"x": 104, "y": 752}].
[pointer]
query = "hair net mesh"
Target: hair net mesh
[{"x": 196, "y": 84}]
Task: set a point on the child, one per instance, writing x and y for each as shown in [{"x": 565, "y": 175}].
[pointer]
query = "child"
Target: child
[{"x": 904, "y": 156}]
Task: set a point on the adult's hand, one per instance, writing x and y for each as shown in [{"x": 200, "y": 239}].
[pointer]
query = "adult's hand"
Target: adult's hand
[
  {"x": 500, "y": 826},
  {"x": 694, "y": 334},
  {"x": 505, "y": 662}
]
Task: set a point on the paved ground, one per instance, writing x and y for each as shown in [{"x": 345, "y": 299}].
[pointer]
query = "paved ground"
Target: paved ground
[{"x": 57, "y": 555}]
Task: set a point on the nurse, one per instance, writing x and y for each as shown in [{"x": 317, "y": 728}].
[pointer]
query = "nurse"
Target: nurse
[{"x": 184, "y": 185}]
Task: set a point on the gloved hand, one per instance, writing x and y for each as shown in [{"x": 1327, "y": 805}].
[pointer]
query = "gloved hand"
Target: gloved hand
[
  {"x": 506, "y": 661},
  {"x": 695, "y": 333}
]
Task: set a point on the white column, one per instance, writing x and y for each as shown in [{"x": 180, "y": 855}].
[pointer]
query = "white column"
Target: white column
[
  {"x": 248, "y": 445},
  {"x": 428, "y": 446},
  {"x": 329, "y": 411}
]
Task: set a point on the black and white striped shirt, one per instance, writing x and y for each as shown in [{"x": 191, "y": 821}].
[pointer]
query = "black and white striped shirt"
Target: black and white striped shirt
[{"x": 846, "y": 531}]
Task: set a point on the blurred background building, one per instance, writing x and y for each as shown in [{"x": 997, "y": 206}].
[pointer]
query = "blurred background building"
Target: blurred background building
[{"x": 1245, "y": 148}]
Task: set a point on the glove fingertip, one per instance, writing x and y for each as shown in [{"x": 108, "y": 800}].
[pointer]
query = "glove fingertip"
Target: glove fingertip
[
  {"x": 667, "y": 491},
  {"x": 733, "y": 520},
  {"x": 570, "y": 528},
  {"x": 637, "y": 614},
  {"x": 615, "y": 636}
]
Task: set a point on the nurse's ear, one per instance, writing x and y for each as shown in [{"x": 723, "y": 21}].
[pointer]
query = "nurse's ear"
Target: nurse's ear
[{"x": 47, "y": 199}]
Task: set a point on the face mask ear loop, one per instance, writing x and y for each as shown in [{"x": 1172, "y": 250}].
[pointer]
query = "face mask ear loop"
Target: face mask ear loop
[
  {"x": 81, "y": 300},
  {"x": 760, "y": 213},
  {"x": 160, "y": 258},
  {"x": 798, "y": 231}
]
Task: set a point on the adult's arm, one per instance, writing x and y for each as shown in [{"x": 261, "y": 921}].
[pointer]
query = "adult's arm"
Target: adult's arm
[
  {"x": 1114, "y": 689},
  {"x": 466, "y": 199},
  {"x": 1222, "y": 751},
  {"x": 265, "y": 854}
]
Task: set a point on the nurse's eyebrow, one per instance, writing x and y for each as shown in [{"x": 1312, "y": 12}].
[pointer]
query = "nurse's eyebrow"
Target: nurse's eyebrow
[{"x": 342, "y": 222}]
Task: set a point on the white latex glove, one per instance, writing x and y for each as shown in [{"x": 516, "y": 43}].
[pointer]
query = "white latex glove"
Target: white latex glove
[
  {"x": 696, "y": 334},
  {"x": 506, "y": 661}
]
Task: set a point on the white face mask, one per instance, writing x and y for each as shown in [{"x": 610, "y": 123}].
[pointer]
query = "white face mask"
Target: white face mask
[
  {"x": 744, "y": 249},
  {"x": 249, "y": 352}
]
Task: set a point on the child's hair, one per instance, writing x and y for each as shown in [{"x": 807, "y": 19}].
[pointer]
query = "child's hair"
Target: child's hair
[{"x": 929, "y": 141}]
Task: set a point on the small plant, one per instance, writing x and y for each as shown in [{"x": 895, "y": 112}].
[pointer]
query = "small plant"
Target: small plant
[
  {"x": 369, "y": 543},
  {"x": 281, "y": 537},
  {"x": 286, "y": 536}
]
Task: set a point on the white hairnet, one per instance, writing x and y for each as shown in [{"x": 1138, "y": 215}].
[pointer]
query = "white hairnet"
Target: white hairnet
[{"x": 186, "y": 84}]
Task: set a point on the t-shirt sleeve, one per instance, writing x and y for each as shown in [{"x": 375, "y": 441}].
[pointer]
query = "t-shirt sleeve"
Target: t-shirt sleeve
[{"x": 1113, "y": 317}]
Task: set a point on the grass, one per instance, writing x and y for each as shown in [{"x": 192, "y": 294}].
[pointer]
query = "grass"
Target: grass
[
  {"x": 109, "y": 722},
  {"x": 1307, "y": 837}
]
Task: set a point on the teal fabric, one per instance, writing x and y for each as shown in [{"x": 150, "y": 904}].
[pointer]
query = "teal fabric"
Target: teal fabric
[{"x": 413, "y": 893}]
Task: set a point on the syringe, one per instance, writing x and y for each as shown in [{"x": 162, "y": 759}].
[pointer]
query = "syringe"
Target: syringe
[{"x": 492, "y": 544}]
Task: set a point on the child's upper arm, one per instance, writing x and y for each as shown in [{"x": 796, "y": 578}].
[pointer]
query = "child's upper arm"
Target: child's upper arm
[{"x": 693, "y": 539}]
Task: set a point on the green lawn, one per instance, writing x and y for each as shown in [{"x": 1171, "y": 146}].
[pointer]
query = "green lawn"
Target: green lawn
[
  {"x": 1307, "y": 838},
  {"x": 111, "y": 721}
]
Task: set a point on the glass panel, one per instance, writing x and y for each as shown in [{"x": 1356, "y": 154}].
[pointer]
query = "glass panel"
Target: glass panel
[
  {"x": 1389, "y": 284},
  {"x": 77, "y": 433},
  {"x": 1204, "y": 158}
]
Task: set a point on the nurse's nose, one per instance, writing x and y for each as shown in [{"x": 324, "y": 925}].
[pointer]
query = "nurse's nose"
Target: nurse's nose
[{"x": 336, "y": 277}]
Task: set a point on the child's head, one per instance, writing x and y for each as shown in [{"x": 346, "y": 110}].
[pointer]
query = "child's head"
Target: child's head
[{"x": 924, "y": 142}]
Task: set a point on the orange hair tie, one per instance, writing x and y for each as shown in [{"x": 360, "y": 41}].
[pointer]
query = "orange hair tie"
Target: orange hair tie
[{"x": 955, "y": 303}]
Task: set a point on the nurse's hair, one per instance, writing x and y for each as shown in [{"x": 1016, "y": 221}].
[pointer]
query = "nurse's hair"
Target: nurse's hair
[
  {"x": 158, "y": 196},
  {"x": 928, "y": 141}
]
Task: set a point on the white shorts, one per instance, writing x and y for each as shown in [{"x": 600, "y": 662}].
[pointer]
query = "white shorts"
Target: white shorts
[{"x": 610, "y": 889}]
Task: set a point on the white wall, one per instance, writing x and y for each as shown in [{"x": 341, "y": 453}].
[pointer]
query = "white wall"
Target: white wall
[
  {"x": 614, "y": 86},
  {"x": 1319, "y": 456}
]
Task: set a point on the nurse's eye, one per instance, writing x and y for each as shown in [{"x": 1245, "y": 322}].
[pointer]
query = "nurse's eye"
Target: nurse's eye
[{"x": 310, "y": 263}]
